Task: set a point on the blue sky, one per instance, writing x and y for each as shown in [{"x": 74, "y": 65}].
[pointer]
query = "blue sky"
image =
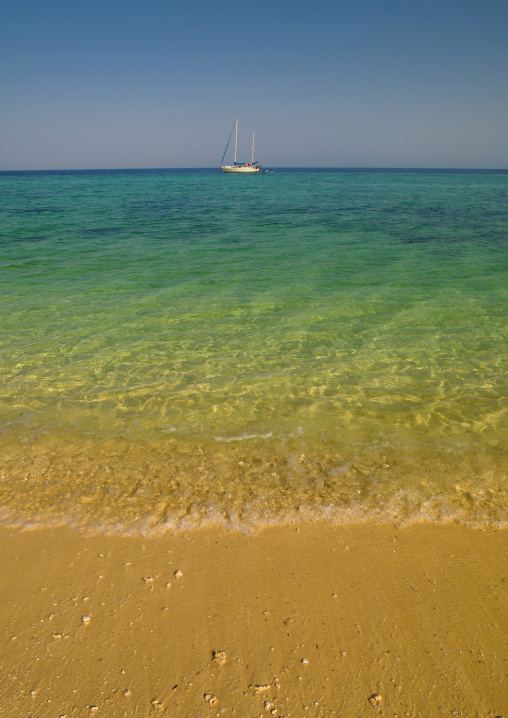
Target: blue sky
[{"x": 358, "y": 83}]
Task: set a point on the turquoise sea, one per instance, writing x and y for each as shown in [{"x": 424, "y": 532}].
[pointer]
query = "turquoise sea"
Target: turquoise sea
[{"x": 182, "y": 348}]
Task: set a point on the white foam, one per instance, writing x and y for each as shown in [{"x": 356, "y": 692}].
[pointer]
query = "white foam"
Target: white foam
[
  {"x": 244, "y": 437},
  {"x": 403, "y": 509}
]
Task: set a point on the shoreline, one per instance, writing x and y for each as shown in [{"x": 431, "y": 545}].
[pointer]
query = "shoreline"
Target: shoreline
[
  {"x": 314, "y": 620},
  {"x": 119, "y": 486}
]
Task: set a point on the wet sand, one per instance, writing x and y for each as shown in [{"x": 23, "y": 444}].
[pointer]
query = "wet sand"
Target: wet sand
[{"x": 351, "y": 621}]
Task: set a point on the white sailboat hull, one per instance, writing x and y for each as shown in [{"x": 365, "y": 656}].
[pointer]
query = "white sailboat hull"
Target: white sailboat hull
[{"x": 240, "y": 170}]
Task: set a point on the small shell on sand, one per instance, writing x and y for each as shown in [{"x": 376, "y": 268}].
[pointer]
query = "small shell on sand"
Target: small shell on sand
[
  {"x": 210, "y": 698},
  {"x": 178, "y": 574},
  {"x": 219, "y": 657},
  {"x": 85, "y": 619},
  {"x": 375, "y": 699}
]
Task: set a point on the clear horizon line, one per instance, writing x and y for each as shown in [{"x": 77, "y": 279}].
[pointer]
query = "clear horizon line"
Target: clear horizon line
[{"x": 277, "y": 167}]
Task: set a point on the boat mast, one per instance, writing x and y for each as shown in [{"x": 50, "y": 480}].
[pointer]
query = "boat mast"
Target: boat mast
[
  {"x": 252, "y": 161},
  {"x": 236, "y": 137}
]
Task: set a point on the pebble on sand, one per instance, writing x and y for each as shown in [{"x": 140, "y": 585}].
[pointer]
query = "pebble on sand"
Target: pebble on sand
[
  {"x": 219, "y": 657},
  {"x": 210, "y": 698},
  {"x": 375, "y": 699}
]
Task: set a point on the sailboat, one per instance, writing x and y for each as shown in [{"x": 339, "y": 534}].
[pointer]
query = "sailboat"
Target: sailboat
[{"x": 240, "y": 167}]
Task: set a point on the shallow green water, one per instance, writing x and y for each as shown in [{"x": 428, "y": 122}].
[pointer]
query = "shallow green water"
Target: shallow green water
[{"x": 186, "y": 348}]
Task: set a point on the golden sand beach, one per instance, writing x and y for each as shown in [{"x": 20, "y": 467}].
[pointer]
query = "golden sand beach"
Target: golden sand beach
[{"x": 351, "y": 621}]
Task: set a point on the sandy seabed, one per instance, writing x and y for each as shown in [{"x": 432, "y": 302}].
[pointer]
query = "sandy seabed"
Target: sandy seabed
[{"x": 315, "y": 620}]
